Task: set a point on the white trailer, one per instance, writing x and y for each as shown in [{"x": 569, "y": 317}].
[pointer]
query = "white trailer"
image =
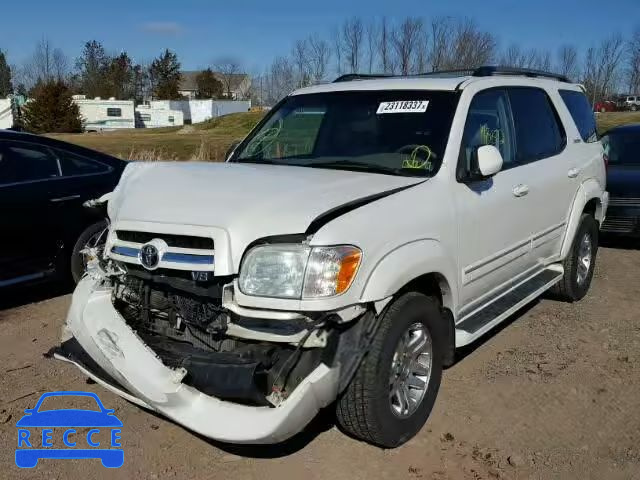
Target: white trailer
[
  {"x": 154, "y": 116},
  {"x": 100, "y": 115},
  {"x": 198, "y": 111},
  {"x": 6, "y": 113}
]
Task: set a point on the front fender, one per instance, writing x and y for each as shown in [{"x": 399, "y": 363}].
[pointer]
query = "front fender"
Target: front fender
[
  {"x": 589, "y": 190},
  {"x": 408, "y": 262}
]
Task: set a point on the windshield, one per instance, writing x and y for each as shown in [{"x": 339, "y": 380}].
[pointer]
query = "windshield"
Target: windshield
[
  {"x": 394, "y": 132},
  {"x": 622, "y": 148}
]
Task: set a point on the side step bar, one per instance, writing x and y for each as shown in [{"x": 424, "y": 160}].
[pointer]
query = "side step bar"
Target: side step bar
[{"x": 480, "y": 322}]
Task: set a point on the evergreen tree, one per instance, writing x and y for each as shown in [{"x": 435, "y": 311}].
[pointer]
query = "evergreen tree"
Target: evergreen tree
[
  {"x": 93, "y": 66},
  {"x": 208, "y": 85},
  {"x": 6, "y": 88},
  {"x": 51, "y": 110},
  {"x": 165, "y": 76}
]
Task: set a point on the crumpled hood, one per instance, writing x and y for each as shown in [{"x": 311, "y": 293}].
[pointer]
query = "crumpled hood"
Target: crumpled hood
[{"x": 249, "y": 201}]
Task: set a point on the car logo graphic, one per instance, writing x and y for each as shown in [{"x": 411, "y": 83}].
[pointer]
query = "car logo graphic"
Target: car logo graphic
[
  {"x": 32, "y": 446},
  {"x": 149, "y": 256}
]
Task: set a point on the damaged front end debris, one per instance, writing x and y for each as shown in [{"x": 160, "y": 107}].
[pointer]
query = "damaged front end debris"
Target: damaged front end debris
[{"x": 127, "y": 322}]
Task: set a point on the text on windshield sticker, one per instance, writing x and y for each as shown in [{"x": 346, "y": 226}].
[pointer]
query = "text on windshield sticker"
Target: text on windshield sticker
[{"x": 408, "y": 106}]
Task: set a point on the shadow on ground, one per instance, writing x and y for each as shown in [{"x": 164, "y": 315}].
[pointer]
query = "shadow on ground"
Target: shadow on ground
[{"x": 17, "y": 296}]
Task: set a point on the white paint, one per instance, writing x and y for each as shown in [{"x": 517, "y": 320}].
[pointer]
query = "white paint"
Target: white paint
[
  {"x": 479, "y": 238},
  {"x": 6, "y": 115}
]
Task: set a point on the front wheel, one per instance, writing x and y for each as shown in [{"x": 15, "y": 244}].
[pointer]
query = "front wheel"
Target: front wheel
[
  {"x": 580, "y": 262},
  {"x": 87, "y": 246},
  {"x": 394, "y": 390}
]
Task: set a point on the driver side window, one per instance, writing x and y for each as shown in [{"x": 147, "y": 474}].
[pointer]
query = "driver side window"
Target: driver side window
[{"x": 488, "y": 123}]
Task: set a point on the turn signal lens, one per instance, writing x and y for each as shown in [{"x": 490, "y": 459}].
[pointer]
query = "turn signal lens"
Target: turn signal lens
[{"x": 331, "y": 271}]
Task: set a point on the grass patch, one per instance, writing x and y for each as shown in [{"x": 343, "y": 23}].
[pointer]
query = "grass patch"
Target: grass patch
[
  {"x": 208, "y": 141},
  {"x": 609, "y": 120}
]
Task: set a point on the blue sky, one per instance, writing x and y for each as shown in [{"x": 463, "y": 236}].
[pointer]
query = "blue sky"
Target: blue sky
[{"x": 255, "y": 31}]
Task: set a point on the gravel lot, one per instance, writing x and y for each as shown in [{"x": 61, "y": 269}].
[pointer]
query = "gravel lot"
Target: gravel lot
[{"x": 553, "y": 394}]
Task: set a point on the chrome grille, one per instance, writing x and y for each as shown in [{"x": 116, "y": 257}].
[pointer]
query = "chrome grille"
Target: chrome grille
[
  {"x": 619, "y": 224},
  {"x": 177, "y": 252}
]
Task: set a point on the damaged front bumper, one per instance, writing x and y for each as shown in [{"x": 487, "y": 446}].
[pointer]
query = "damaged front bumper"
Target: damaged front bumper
[{"x": 99, "y": 342}]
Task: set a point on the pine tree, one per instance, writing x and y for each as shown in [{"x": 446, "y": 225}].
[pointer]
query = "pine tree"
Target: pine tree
[
  {"x": 6, "y": 88},
  {"x": 51, "y": 110},
  {"x": 165, "y": 76},
  {"x": 208, "y": 85}
]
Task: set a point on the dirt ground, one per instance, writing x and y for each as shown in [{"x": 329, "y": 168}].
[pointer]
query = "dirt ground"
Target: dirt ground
[{"x": 553, "y": 394}]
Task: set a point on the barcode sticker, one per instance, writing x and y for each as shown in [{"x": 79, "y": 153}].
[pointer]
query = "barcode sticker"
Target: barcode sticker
[{"x": 408, "y": 106}]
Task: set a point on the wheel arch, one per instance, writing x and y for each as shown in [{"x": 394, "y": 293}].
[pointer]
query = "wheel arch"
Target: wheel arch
[
  {"x": 421, "y": 266},
  {"x": 587, "y": 200}
]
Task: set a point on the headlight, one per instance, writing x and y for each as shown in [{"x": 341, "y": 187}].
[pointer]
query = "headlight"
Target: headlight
[{"x": 299, "y": 271}]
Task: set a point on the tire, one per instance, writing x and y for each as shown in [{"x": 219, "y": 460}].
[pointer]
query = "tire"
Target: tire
[
  {"x": 570, "y": 288},
  {"x": 634, "y": 108},
  {"x": 365, "y": 408},
  {"x": 77, "y": 260}
]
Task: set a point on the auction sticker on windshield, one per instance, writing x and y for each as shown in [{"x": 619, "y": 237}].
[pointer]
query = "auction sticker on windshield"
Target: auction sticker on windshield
[{"x": 408, "y": 106}]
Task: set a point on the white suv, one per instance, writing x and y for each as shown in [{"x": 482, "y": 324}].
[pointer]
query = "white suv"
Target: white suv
[
  {"x": 632, "y": 103},
  {"x": 360, "y": 234}
]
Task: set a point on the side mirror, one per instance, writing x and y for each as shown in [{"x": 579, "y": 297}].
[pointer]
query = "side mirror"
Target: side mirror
[
  {"x": 489, "y": 161},
  {"x": 232, "y": 149}
]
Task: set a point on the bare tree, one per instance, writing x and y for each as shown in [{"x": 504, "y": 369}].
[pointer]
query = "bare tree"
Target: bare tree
[
  {"x": 301, "y": 62},
  {"x": 441, "y": 42},
  {"x": 337, "y": 39},
  {"x": 352, "y": 42},
  {"x": 568, "y": 64},
  {"x": 227, "y": 68},
  {"x": 372, "y": 45},
  {"x": 602, "y": 67},
  {"x": 633, "y": 62},
  {"x": 280, "y": 80},
  {"x": 384, "y": 41},
  {"x": 319, "y": 56},
  {"x": 405, "y": 40},
  {"x": 46, "y": 63},
  {"x": 471, "y": 46}
]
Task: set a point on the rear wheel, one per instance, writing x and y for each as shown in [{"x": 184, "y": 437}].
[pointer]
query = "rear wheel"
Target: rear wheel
[
  {"x": 580, "y": 263},
  {"x": 394, "y": 390}
]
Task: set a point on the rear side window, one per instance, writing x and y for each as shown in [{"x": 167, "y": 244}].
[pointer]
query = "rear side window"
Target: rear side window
[
  {"x": 582, "y": 114},
  {"x": 539, "y": 133},
  {"x": 24, "y": 162},
  {"x": 72, "y": 164}
]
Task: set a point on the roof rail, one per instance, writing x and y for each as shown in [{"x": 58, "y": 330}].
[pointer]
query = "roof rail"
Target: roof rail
[
  {"x": 484, "y": 71},
  {"x": 361, "y": 76},
  {"x": 488, "y": 71}
]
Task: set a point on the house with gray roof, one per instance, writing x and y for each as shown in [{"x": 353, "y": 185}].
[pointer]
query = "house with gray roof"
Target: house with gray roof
[{"x": 238, "y": 83}]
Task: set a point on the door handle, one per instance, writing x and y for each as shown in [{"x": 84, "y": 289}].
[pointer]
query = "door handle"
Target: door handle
[
  {"x": 64, "y": 199},
  {"x": 573, "y": 173},
  {"x": 520, "y": 190}
]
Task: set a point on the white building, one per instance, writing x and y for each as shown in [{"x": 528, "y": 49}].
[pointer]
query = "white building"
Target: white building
[
  {"x": 6, "y": 114},
  {"x": 197, "y": 111},
  {"x": 105, "y": 114},
  {"x": 153, "y": 116}
]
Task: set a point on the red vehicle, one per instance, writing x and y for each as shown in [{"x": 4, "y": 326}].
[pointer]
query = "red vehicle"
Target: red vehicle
[{"x": 605, "y": 106}]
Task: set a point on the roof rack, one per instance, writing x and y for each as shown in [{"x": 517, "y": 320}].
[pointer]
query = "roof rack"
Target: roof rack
[
  {"x": 484, "y": 71},
  {"x": 488, "y": 71},
  {"x": 349, "y": 77}
]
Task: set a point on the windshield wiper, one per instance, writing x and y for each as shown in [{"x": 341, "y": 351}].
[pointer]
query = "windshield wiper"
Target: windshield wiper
[{"x": 368, "y": 167}]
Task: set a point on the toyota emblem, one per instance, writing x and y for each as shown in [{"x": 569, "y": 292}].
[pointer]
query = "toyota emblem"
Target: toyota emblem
[{"x": 149, "y": 256}]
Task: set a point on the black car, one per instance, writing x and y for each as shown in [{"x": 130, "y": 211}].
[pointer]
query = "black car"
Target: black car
[
  {"x": 622, "y": 146},
  {"x": 43, "y": 224}
]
